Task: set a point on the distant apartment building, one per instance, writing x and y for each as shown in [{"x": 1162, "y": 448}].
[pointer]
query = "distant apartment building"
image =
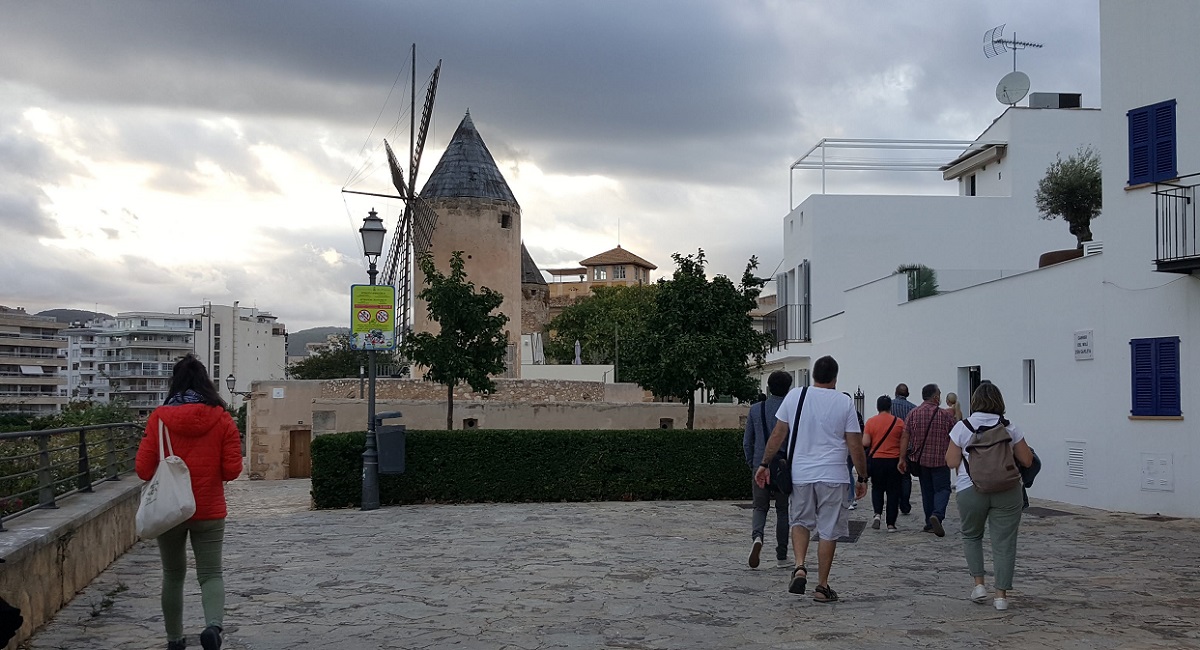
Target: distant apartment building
[
  {"x": 136, "y": 352},
  {"x": 31, "y": 363},
  {"x": 615, "y": 267},
  {"x": 84, "y": 379},
  {"x": 239, "y": 342}
]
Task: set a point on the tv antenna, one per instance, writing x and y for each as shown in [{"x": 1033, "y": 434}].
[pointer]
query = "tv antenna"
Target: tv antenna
[{"x": 994, "y": 44}]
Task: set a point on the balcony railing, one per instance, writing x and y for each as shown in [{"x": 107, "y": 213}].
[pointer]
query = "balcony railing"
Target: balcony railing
[
  {"x": 39, "y": 467},
  {"x": 1176, "y": 242},
  {"x": 789, "y": 323}
]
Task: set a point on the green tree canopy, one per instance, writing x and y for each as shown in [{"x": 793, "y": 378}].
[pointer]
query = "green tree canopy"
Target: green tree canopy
[
  {"x": 337, "y": 362},
  {"x": 471, "y": 343},
  {"x": 600, "y": 322},
  {"x": 701, "y": 335},
  {"x": 922, "y": 280},
  {"x": 1071, "y": 189}
]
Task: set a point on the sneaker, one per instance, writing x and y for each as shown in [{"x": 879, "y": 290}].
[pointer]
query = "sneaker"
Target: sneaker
[
  {"x": 1001, "y": 603},
  {"x": 851, "y": 506},
  {"x": 177, "y": 645},
  {"x": 935, "y": 525},
  {"x": 979, "y": 594},
  {"x": 892, "y": 529},
  {"x": 781, "y": 554},
  {"x": 875, "y": 523},
  {"x": 755, "y": 550},
  {"x": 210, "y": 638}
]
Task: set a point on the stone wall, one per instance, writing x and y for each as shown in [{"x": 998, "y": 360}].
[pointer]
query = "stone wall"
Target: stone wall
[
  {"x": 535, "y": 308},
  {"x": 52, "y": 554},
  {"x": 507, "y": 390}
]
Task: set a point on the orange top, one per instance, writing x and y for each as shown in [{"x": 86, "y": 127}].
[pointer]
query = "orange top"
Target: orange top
[
  {"x": 207, "y": 440},
  {"x": 876, "y": 427}
]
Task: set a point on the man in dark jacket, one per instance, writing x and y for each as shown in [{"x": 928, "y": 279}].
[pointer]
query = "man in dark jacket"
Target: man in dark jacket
[
  {"x": 901, "y": 407},
  {"x": 759, "y": 423}
]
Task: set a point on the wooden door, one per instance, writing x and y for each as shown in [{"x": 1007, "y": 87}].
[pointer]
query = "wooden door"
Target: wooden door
[{"x": 299, "y": 458}]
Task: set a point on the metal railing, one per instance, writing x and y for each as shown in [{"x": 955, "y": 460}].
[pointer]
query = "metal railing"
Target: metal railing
[
  {"x": 1177, "y": 246},
  {"x": 39, "y": 467},
  {"x": 789, "y": 323}
]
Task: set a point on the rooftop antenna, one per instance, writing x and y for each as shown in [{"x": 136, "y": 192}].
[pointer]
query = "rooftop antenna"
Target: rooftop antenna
[{"x": 994, "y": 44}]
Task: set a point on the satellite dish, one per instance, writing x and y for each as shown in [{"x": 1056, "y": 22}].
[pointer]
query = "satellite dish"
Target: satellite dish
[{"x": 1012, "y": 88}]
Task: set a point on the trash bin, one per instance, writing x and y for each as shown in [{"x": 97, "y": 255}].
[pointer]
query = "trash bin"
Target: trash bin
[{"x": 389, "y": 440}]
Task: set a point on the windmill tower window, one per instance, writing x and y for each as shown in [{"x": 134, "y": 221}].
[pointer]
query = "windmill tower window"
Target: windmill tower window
[{"x": 505, "y": 220}]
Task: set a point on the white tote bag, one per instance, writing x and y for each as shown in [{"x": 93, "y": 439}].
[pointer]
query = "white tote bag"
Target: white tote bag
[{"x": 167, "y": 499}]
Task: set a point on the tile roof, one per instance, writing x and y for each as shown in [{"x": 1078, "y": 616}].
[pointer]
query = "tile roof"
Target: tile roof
[
  {"x": 467, "y": 169},
  {"x": 617, "y": 255},
  {"x": 529, "y": 270}
]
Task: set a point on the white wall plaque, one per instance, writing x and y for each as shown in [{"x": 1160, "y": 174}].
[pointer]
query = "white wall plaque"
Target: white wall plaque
[
  {"x": 1083, "y": 345},
  {"x": 277, "y": 393}
]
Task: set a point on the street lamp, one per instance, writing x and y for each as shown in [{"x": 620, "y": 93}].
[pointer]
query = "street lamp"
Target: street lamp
[
  {"x": 372, "y": 233},
  {"x": 231, "y": 383}
]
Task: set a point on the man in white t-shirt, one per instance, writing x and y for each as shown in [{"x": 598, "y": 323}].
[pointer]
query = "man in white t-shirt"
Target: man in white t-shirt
[{"x": 827, "y": 431}]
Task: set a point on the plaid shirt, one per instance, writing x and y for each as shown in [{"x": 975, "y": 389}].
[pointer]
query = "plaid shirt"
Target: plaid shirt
[
  {"x": 928, "y": 434},
  {"x": 901, "y": 407}
]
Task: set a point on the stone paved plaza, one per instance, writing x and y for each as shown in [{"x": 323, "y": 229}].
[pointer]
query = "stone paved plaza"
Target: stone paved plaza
[{"x": 641, "y": 575}]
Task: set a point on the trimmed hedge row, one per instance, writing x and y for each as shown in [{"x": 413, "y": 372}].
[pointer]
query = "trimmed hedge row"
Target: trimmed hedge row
[{"x": 537, "y": 465}]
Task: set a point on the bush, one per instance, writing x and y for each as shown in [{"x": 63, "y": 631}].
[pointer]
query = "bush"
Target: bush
[{"x": 532, "y": 466}]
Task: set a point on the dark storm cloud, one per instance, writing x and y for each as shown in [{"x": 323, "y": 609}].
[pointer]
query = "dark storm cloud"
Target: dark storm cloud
[{"x": 23, "y": 161}]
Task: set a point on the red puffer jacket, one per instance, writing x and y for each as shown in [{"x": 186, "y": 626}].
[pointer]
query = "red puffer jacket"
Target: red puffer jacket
[{"x": 206, "y": 438}]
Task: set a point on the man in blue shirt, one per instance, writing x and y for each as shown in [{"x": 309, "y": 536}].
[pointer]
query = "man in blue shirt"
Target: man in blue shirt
[{"x": 901, "y": 407}]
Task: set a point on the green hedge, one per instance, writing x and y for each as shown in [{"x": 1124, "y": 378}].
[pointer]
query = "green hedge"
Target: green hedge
[{"x": 528, "y": 466}]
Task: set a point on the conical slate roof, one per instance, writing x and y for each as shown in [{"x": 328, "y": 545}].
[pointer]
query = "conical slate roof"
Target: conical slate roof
[
  {"x": 530, "y": 274},
  {"x": 467, "y": 169}
]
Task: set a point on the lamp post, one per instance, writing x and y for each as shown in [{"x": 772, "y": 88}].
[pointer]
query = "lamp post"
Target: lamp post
[
  {"x": 372, "y": 233},
  {"x": 231, "y": 383}
]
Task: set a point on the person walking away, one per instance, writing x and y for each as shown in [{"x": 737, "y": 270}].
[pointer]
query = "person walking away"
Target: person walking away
[
  {"x": 206, "y": 438},
  {"x": 851, "y": 502},
  {"x": 759, "y": 423},
  {"x": 884, "y": 436},
  {"x": 929, "y": 433},
  {"x": 824, "y": 425},
  {"x": 993, "y": 507},
  {"x": 953, "y": 406},
  {"x": 901, "y": 407}
]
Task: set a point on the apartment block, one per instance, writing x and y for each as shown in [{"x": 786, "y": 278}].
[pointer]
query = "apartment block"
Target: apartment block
[{"x": 31, "y": 363}]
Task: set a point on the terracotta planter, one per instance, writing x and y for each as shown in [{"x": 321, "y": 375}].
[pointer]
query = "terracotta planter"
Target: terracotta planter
[{"x": 1054, "y": 257}]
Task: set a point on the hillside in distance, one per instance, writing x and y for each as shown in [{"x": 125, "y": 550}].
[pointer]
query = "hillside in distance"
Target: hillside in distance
[
  {"x": 69, "y": 316},
  {"x": 297, "y": 340}
]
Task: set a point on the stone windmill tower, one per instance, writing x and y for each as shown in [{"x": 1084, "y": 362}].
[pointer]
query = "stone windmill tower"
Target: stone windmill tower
[{"x": 477, "y": 214}]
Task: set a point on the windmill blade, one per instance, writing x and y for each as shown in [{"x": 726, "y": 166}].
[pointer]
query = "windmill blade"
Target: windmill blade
[
  {"x": 423, "y": 224},
  {"x": 397, "y": 171},
  {"x": 399, "y": 243},
  {"x": 993, "y": 43},
  {"x": 426, "y": 114}
]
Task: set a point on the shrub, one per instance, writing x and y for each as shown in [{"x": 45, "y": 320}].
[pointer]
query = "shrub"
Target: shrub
[{"x": 531, "y": 466}]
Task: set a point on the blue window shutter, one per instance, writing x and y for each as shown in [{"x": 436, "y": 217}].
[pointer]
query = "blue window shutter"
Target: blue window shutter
[
  {"x": 1164, "y": 141},
  {"x": 1139, "y": 145},
  {"x": 1167, "y": 360},
  {"x": 1141, "y": 356}
]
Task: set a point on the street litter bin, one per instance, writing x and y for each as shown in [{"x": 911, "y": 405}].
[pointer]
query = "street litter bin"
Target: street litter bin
[{"x": 389, "y": 439}]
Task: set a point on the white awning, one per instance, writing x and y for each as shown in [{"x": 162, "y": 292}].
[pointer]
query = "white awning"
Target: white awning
[{"x": 31, "y": 370}]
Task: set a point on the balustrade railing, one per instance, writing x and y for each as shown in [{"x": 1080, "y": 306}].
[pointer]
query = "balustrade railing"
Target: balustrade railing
[
  {"x": 789, "y": 323},
  {"x": 39, "y": 467},
  {"x": 1177, "y": 246}
]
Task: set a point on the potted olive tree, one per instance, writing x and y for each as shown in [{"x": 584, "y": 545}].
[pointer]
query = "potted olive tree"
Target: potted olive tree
[{"x": 1071, "y": 189}]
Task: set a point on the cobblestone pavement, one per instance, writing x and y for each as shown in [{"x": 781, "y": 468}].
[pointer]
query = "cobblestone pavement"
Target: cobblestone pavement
[{"x": 641, "y": 575}]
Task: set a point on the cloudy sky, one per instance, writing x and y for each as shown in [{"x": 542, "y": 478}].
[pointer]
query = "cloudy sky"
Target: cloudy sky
[{"x": 161, "y": 154}]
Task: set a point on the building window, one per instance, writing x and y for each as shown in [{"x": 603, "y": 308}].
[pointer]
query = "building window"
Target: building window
[
  {"x": 216, "y": 344},
  {"x": 1152, "y": 143},
  {"x": 216, "y": 358},
  {"x": 1029, "y": 379},
  {"x": 505, "y": 220},
  {"x": 1154, "y": 370},
  {"x": 216, "y": 329},
  {"x": 619, "y": 272},
  {"x": 971, "y": 189},
  {"x": 600, "y": 273}
]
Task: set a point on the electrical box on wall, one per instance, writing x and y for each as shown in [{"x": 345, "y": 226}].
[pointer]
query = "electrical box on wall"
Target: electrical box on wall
[{"x": 1158, "y": 473}]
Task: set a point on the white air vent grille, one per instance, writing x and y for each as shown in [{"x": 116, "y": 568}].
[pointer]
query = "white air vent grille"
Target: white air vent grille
[
  {"x": 1093, "y": 248},
  {"x": 1076, "y": 464}
]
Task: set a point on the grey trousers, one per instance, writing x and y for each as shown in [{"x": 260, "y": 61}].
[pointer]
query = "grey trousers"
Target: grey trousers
[
  {"x": 762, "y": 503},
  {"x": 1001, "y": 513}
]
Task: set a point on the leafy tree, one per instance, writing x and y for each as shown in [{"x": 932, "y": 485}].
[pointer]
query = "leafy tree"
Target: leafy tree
[
  {"x": 337, "y": 362},
  {"x": 600, "y": 322},
  {"x": 471, "y": 343},
  {"x": 922, "y": 280},
  {"x": 1071, "y": 189},
  {"x": 81, "y": 413},
  {"x": 700, "y": 335}
]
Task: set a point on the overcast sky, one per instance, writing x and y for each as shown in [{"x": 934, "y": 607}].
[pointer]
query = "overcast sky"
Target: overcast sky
[{"x": 161, "y": 154}]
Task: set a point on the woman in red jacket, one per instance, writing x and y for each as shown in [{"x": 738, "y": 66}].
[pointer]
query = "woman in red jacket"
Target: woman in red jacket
[{"x": 205, "y": 437}]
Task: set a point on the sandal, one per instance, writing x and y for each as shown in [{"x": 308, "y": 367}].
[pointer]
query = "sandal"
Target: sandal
[
  {"x": 798, "y": 583},
  {"x": 824, "y": 595}
]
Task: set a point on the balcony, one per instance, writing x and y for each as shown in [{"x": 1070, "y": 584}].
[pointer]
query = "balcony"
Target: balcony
[
  {"x": 789, "y": 323},
  {"x": 151, "y": 344},
  {"x": 1176, "y": 243}
]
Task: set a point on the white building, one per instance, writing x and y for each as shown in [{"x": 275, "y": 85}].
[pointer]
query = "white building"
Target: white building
[
  {"x": 1092, "y": 354},
  {"x": 137, "y": 351},
  {"x": 84, "y": 379},
  {"x": 242, "y": 342}
]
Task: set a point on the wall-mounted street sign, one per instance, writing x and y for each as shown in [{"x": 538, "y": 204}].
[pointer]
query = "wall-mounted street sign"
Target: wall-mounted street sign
[
  {"x": 1083, "y": 345},
  {"x": 372, "y": 317}
]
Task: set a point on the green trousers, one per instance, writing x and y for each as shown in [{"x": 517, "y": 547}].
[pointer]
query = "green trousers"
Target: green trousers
[
  {"x": 1001, "y": 512},
  {"x": 207, "y": 537}
]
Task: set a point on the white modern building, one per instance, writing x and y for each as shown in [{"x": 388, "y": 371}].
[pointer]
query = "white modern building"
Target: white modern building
[
  {"x": 136, "y": 352},
  {"x": 240, "y": 342},
  {"x": 1093, "y": 353},
  {"x": 84, "y": 379}
]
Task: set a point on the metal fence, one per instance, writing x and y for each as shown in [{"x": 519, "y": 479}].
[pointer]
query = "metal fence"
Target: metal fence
[
  {"x": 39, "y": 467},
  {"x": 1177, "y": 241},
  {"x": 788, "y": 323}
]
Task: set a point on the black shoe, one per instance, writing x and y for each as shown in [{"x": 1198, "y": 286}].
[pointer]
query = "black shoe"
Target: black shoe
[
  {"x": 177, "y": 645},
  {"x": 210, "y": 638},
  {"x": 935, "y": 524}
]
